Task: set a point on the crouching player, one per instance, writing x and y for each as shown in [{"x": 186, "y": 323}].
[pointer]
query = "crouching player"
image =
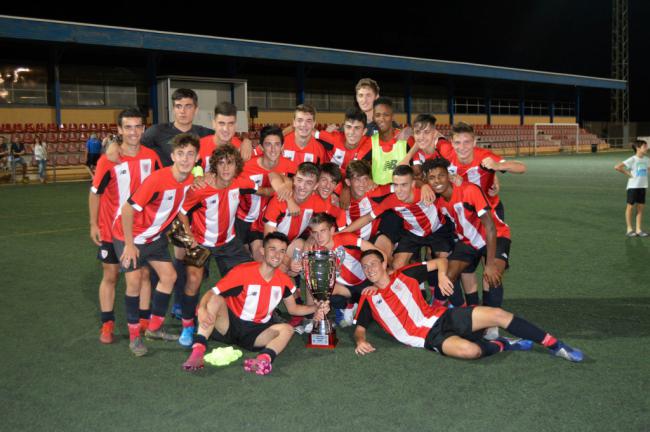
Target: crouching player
[
  {"x": 240, "y": 306},
  {"x": 399, "y": 308}
]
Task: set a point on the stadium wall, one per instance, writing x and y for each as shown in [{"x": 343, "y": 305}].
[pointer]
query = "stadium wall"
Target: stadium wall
[{"x": 23, "y": 115}]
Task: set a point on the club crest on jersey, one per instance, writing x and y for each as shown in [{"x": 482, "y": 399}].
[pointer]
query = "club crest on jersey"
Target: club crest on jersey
[
  {"x": 104, "y": 254},
  {"x": 254, "y": 293},
  {"x": 122, "y": 172},
  {"x": 213, "y": 201},
  {"x": 505, "y": 255},
  {"x": 170, "y": 198}
]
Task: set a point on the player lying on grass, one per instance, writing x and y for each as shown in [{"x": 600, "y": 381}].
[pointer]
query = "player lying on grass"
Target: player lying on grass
[
  {"x": 239, "y": 309},
  {"x": 398, "y": 307}
]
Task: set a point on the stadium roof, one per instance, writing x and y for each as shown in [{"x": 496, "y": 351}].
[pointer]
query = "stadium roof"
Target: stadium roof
[{"x": 32, "y": 29}]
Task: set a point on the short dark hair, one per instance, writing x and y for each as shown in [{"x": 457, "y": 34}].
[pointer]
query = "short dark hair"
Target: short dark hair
[
  {"x": 355, "y": 114},
  {"x": 130, "y": 113},
  {"x": 462, "y": 127},
  {"x": 271, "y": 130},
  {"x": 383, "y": 101},
  {"x": 638, "y": 143},
  {"x": 308, "y": 168},
  {"x": 225, "y": 109},
  {"x": 226, "y": 151},
  {"x": 276, "y": 235},
  {"x": 372, "y": 252},
  {"x": 403, "y": 170},
  {"x": 435, "y": 163},
  {"x": 357, "y": 168},
  {"x": 331, "y": 169},
  {"x": 185, "y": 139},
  {"x": 306, "y": 108},
  {"x": 183, "y": 93},
  {"x": 323, "y": 217},
  {"x": 425, "y": 119}
]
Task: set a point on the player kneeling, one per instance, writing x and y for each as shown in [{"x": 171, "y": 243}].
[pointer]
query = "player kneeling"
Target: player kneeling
[
  {"x": 240, "y": 306},
  {"x": 399, "y": 308}
]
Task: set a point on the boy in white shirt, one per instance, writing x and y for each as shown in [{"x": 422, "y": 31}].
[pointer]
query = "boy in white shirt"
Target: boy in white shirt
[{"x": 636, "y": 168}]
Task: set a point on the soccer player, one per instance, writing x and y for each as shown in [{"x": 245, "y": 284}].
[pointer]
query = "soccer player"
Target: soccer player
[
  {"x": 139, "y": 237},
  {"x": 636, "y": 168},
  {"x": 480, "y": 232},
  {"x": 329, "y": 186},
  {"x": 224, "y": 123},
  {"x": 252, "y": 207},
  {"x": 349, "y": 145},
  {"x": 213, "y": 209},
  {"x": 366, "y": 92},
  {"x": 300, "y": 145},
  {"x": 238, "y": 310},
  {"x": 426, "y": 141},
  {"x": 387, "y": 149},
  {"x": 112, "y": 185},
  {"x": 399, "y": 308},
  {"x": 351, "y": 280}
]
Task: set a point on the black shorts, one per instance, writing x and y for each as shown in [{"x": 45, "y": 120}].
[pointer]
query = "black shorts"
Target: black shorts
[
  {"x": 390, "y": 225},
  {"x": 242, "y": 333},
  {"x": 466, "y": 253},
  {"x": 157, "y": 250},
  {"x": 245, "y": 234},
  {"x": 500, "y": 211},
  {"x": 636, "y": 196},
  {"x": 440, "y": 241},
  {"x": 454, "y": 322},
  {"x": 106, "y": 254},
  {"x": 356, "y": 290},
  {"x": 229, "y": 255}
]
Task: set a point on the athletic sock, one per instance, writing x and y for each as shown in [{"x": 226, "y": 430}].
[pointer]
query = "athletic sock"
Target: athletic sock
[
  {"x": 132, "y": 306},
  {"x": 181, "y": 279},
  {"x": 489, "y": 348},
  {"x": 189, "y": 306},
  {"x": 486, "y": 297},
  {"x": 457, "y": 298},
  {"x": 200, "y": 340},
  {"x": 188, "y": 322},
  {"x": 494, "y": 296},
  {"x": 338, "y": 302},
  {"x": 267, "y": 354},
  {"x": 472, "y": 299},
  {"x": 107, "y": 316},
  {"x": 159, "y": 303},
  {"x": 526, "y": 330},
  {"x": 134, "y": 331},
  {"x": 145, "y": 314}
]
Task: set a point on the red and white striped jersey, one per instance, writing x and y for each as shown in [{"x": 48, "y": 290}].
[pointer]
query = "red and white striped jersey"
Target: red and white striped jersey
[
  {"x": 249, "y": 296},
  {"x": 313, "y": 151},
  {"x": 400, "y": 308},
  {"x": 338, "y": 153},
  {"x": 208, "y": 146},
  {"x": 362, "y": 207},
  {"x": 252, "y": 206},
  {"x": 292, "y": 226},
  {"x": 156, "y": 203},
  {"x": 420, "y": 219},
  {"x": 350, "y": 272},
  {"x": 115, "y": 182},
  {"x": 465, "y": 208},
  {"x": 421, "y": 157},
  {"x": 214, "y": 211},
  {"x": 473, "y": 172}
]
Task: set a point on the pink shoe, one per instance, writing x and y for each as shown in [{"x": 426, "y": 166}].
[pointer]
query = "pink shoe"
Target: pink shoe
[
  {"x": 194, "y": 362},
  {"x": 259, "y": 366}
]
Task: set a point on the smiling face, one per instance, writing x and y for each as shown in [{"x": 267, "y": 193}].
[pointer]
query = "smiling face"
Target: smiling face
[
  {"x": 226, "y": 169},
  {"x": 424, "y": 135},
  {"x": 272, "y": 148},
  {"x": 303, "y": 124},
  {"x": 185, "y": 158},
  {"x": 326, "y": 186},
  {"x": 358, "y": 185},
  {"x": 224, "y": 128},
  {"x": 303, "y": 186},
  {"x": 373, "y": 267},
  {"x": 403, "y": 186},
  {"x": 354, "y": 131},
  {"x": 273, "y": 252},
  {"x": 383, "y": 117},
  {"x": 438, "y": 179},
  {"x": 463, "y": 144},
  {"x": 131, "y": 130},
  {"x": 365, "y": 98}
]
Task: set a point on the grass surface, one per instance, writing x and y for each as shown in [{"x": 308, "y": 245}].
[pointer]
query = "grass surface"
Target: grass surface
[{"x": 573, "y": 272}]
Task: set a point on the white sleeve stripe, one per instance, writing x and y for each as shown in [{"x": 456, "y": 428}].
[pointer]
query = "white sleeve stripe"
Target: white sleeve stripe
[
  {"x": 137, "y": 207},
  {"x": 273, "y": 224},
  {"x": 93, "y": 189},
  {"x": 481, "y": 212}
]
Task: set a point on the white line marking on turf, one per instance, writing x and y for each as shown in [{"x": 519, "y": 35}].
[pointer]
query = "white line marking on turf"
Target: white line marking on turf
[{"x": 42, "y": 232}]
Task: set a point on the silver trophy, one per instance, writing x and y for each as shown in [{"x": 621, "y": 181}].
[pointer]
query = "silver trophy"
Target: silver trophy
[{"x": 320, "y": 268}]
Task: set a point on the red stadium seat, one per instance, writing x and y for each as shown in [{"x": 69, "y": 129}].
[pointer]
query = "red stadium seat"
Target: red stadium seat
[
  {"x": 63, "y": 137},
  {"x": 29, "y": 148},
  {"x": 63, "y": 127},
  {"x": 82, "y": 158},
  {"x": 72, "y": 127},
  {"x": 113, "y": 128},
  {"x": 7, "y": 128},
  {"x": 83, "y": 127},
  {"x": 40, "y": 128},
  {"x": 29, "y": 127},
  {"x": 61, "y": 160},
  {"x": 28, "y": 138},
  {"x": 18, "y": 128},
  {"x": 83, "y": 137},
  {"x": 51, "y": 127},
  {"x": 93, "y": 127},
  {"x": 62, "y": 148},
  {"x": 52, "y": 138},
  {"x": 73, "y": 137},
  {"x": 103, "y": 127},
  {"x": 73, "y": 159}
]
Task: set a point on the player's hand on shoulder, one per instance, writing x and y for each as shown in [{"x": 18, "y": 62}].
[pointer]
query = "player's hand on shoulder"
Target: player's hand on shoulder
[
  {"x": 293, "y": 209},
  {"x": 284, "y": 192},
  {"x": 427, "y": 196},
  {"x": 456, "y": 179}
]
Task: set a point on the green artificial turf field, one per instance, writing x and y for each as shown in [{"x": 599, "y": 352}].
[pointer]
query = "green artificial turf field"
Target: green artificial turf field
[{"x": 573, "y": 272}]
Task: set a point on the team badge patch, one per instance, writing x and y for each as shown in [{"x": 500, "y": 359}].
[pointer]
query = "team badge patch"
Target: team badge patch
[{"x": 104, "y": 253}]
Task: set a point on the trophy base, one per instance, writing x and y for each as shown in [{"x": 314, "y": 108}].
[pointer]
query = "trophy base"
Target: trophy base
[{"x": 319, "y": 341}]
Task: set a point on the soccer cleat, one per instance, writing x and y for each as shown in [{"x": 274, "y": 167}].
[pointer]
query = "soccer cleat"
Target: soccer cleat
[
  {"x": 137, "y": 347},
  {"x": 338, "y": 316},
  {"x": 631, "y": 234},
  {"x": 162, "y": 334},
  {"x": 259, "y": 366},
  {"x": 642, "y": 234},
  {"x": 177, "y": 311},
  {"x": 194, "y": 362},
  {"x": 348, "y": 317},
  {"x": 515, "y": 344},
  {"x": 491, "y": 333},
  {"x": 187, "y": 337},
  {"x": 566, "y": 352},
  {"x": 106, "y": 333}
]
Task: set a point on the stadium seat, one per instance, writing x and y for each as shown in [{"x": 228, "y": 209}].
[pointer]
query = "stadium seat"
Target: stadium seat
[
  {"x": 28, "y": 138},
  {"x": 62, "y": 148},
  {"x": 63, "y": 127},
  {"x": 73, "y": 159},
  {"x": 72, "y": 127},
  {"x": 82, "y": 158},
  {"x": 29, "y": 127},
  {"x": 29, "y": 148},
  {"x": 63, "y": 137},
  {"x": 83, "y": 137},
  {"x": 52, "y": 138},
  {"x": 18, "y": 128},
  {"x": 7, "y": 128},
  {"x": 83, "y": 127},
  {"x": 112, "y": 128},
  {"x": 93, "y": 127},
  {"x": 73, "y": 137},
  {"x": 61, "y": 160},
  {"x": 103, "y": 127},
  {"x": 51, "y": 127},
  {"x": 40, "y": 128}
]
